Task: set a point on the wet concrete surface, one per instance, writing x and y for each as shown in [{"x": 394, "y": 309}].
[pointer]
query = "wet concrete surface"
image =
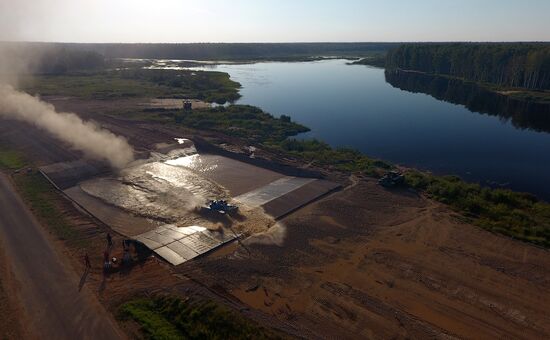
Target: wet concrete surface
[
  {"x": 119, "y": 220},
  {"x": 235, "y": 176},
  {"x": 172, "y": 188},
  {"x": 271, "y": 191}
]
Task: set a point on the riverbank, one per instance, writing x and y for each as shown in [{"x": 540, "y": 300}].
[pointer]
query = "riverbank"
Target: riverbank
[
  {"x": 517, "y": 93},
  {"x": 528, "y": 221},
  {"x": 518, "y": 215},
  {"x": 375, "y": 60}
]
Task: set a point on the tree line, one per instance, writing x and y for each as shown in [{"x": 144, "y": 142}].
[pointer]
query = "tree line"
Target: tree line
[
  {"x": 222, "y": 51},
  {"x": 517, "y": 65},
  {"x": 63, "y": 61},
  {"x": 51, "y": 59}
]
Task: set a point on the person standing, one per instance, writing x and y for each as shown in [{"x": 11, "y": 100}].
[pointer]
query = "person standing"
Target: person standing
[
  {"x": 109, "y": 240},
  {"x": 87, "y": 261}
]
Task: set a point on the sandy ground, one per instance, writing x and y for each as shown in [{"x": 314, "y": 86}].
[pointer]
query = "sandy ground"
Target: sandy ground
[
  {"x": 362, "y": 262},
  {"x": 371, "y": 263}
]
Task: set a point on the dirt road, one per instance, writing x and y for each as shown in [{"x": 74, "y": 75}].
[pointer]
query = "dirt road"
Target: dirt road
[{"x": 46, "y": 286}]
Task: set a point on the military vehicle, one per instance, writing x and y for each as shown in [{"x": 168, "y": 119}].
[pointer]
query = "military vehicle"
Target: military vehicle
[
  {"x": 222, "y": 207},
  {"x": 392, "y": 179}
]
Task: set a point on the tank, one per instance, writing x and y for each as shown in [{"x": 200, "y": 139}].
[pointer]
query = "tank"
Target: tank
[
  {"x": 222, "y": 207},
  {"x": 392, "y": 179}
]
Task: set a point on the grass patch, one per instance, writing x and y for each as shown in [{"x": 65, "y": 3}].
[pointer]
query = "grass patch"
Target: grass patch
[
  {"x": 343, "y": 159},
  {"x": 11, "y": 160},
  {"x": 41, "y": 196},
  {"x": 518, "y": 215},
  {"x": 247, "y": 122},
  {"x": 136, "y": 82},
  {"x": 172, "y": 318}
]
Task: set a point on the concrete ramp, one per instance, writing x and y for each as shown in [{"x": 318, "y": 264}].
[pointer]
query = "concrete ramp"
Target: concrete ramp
[
  {"x": 273, "y": 190},
  {"x": 298, "y": 198},
  {"x": 178, "y": 245},
  {"x": 286, "y": 194}
]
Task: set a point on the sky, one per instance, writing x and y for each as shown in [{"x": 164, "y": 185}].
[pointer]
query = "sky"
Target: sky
[{"x": 274, "y": 21}]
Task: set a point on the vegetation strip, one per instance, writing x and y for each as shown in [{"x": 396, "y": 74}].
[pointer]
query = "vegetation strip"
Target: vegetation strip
[
  {"x": 173, "y": 318},
  {"x": 39, "y": 194}
]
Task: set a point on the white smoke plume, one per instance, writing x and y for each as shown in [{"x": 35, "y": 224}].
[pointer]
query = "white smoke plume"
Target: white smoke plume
[
  {"x": 87, "y": 137},
  {"x": 17, "y": 61}
]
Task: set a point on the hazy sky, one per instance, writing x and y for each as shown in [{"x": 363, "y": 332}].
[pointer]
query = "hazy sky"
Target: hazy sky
[{"x": 273, "y": 21}]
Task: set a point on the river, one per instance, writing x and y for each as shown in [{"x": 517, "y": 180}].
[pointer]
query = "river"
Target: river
[{"x": 356, "y": 106}]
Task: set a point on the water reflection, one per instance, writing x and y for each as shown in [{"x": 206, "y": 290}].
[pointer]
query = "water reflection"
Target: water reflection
[
  {"x": 194, "y": 162},
  {"x": 522, "y": 114},
  {"x": 159, "y": 189}
]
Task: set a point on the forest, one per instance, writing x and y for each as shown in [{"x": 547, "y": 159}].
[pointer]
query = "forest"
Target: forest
[
  {"x": 223, "y": 51},
  {"x": 507, "y": 65},
  {"x": 49, "y": 59}
]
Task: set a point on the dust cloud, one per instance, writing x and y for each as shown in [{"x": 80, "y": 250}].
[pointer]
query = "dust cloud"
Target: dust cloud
[
  {"x": 87, "y": 137},
  {"x": 273, "y": 236}
]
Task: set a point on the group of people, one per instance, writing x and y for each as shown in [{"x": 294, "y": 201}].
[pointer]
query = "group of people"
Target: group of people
[{"x": 107, "y": 260}]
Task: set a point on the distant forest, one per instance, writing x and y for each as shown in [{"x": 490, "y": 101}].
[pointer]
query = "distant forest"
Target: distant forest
[
  {"x": 517, "y": 65},
  {"x": 243, "y": 51},
  {"x": 220, "y": 51},
  {"x": 50, "y": 59}
]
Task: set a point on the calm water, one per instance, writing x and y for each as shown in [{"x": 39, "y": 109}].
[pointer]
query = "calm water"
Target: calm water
[{"x": 355, "y": 106}]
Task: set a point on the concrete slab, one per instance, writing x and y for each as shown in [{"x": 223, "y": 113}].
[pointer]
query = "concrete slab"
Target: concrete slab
[
  {"x": 185, "y": 230},
  {"x": 199, "y": 243},
  {"x": 180, "y": 244},
  {"x": 172, "y": 234},
  {"x": 170, "y": 256},
  {"x": 149, "y": 243},
  {"x": 164, "y": 240},
  {"x": 163, "y": 228},
  {"x": 273, "y": 190},
  {"x": 296, "y": 199},
  {"x": 184, "y": 251}
]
